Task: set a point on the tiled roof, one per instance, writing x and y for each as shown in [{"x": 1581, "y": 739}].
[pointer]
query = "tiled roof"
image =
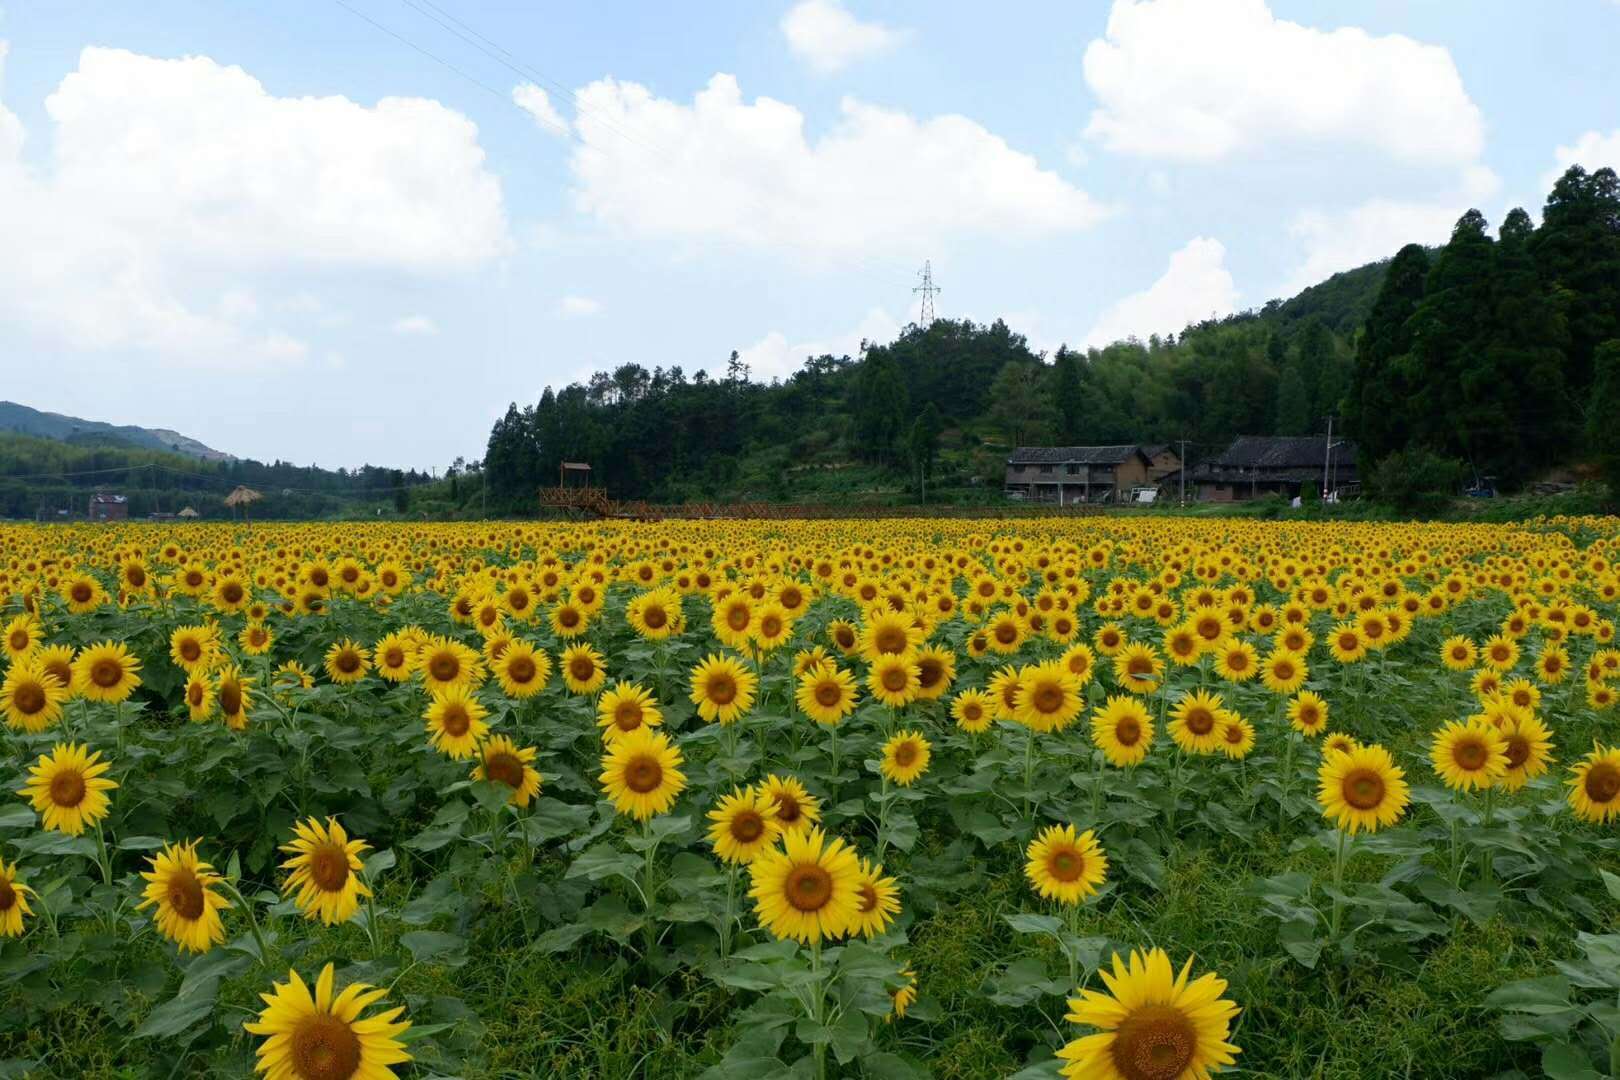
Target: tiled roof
[
  {"x": 1075, "y": 455},
  {"x": 1282, "y": 452}
]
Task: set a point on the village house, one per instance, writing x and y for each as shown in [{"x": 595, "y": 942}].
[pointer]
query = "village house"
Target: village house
[
  {"x": 108, "y": 507},
  {"x": 1086, "y": 474},
  {"x": 1257, "y": 465}
]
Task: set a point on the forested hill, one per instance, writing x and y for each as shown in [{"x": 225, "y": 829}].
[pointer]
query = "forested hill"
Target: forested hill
[
  {"x": 1490, "y": 354},
  {"x": 72, "y": 429}
]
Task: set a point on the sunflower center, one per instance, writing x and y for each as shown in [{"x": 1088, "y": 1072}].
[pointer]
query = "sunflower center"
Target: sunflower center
[
  {"x": 1307, "y": 716},
  {"x": 8, "y": 896},
  {"x": 28, "y": 698},
  {"x": 230, "y": 697},
  {"x": 107, "y": 673},
  {"x": 1471, "y": 755},
  {"x": 627, "y": 716},
  {"x": 737, "y": 618},
  {"x": 1066, "y": 865},
  {"x": 770, "y": 627},
  {"x": 82, "y": 593},
  {"x": 1518, "y": 751},
  {"x": 971, "y": 711},
  {"x": 1238, "y": 661},
  {"x": 930, "y": 672},
  {"x": 787, "y": 808},
  {"x": 1200, "y": 721},
  {"x": 19, "y": 641},
  {"x": 444, "y": 667},
  {"x": 1047, "y": 698},
  {"x": 890, "y": 639},
  {"x": 231, "y": 593},
  {"x": 844, "y": 638},
  {"x": 905, "y": 755},
  {"x": 1363, "y": 789},
  {"x": 186, "y": 895},
  {"x": 568, "y": 617},
  {"x": 456, "y": 721},
  {"x": 394, "y": 657},
  {"x": 195, "y": 694},
  {"x": 67, "y": 788},
  {"x": 747, "y": 827},
  {"x": 190, "y": 650},
  {"x": 329, "y": 867},
  {"x": 1128, "y": 731},
  {"x": 135, "y": 576},
  {"x": 1155, "y": 1042},
  {"x": 722, "y": 689},
  {"x": 1234, "y": 734},
  {"x": 505, "y": 768},
  {"x": 643, "y": 774},
  {"x": 348, "y": 662},
  {"x": 325, "y": 1048},
  {"x": 828, "y": 694},
  {"x": 808, "y": 888},
  {"x": 1602, "y": 782},
  {"x": 868, "y": 897},
  {"x": 654, "y": 618},
  {"x": 1006, "y": 632},
  {"x": 1283, "y": 670},
  {"x": 895, "y": 679}
]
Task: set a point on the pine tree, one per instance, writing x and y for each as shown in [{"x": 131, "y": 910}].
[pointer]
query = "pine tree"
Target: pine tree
[
  {"x": 1577, "y": 254},
  {"x": 1068, "y": 395},
  {"x": 1293, "y": 403},
  {"x": 1375, "y": 409},
  {"x": 1603, "y": 415}
]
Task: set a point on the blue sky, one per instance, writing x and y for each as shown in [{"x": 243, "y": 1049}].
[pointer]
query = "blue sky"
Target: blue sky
[{"x": 284, "y": 231}]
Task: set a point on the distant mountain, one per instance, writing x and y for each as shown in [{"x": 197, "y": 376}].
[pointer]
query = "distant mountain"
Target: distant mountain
[{"x": 72, "y": 429}]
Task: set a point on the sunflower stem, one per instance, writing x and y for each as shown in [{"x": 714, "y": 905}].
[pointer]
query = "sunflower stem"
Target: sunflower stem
[
  {"x": 1456, "y": 855},
  {"x": 253, "y": 921},
  {"x": 647, "y": 892},
  {"x": 818, "y": 1001},
  {"x": 371, "y": 919},
  {"x": 1029, "y": 772},
  {"x": 1338, "y": 884},
  {"x": 1486, "y": 856},
  {"x": 102, "y": 856},
  {"x": 730, "y": 920},
  {"x": 836, "y": 764}
]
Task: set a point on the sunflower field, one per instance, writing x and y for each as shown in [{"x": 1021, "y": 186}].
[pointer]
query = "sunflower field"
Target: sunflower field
[{"x": 1137, "y": 798}]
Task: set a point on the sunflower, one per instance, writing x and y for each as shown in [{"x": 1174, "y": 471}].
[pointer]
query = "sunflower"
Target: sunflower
[
  {"x": 13, "y": 901},
  {"x": 878, "y": 901},
  {"x": 624, "y": 709},
  {"x": 1594, "y": 785},
  {"x": 1347, "y": 643},
  {"x": 68, "y": 788},
  {"x": 772, "y": 627},
  {"x": 1079, "y": 661},
  {"x": 905, "y": 757},
  {"x": 584, "y": 670},
  {"x": 889, "y": 633},
  {"x": 1153, "y": 1024},
  {"x": 199, "y": 697},
  {"x": 845, "y": 638},
  {"x": 1468, "y": 755},
  {"x": 1308, "y": 713},
  {"x": 255, "y": 639},
  {"x": 733, "y": 620},
  {"x": 1195, "y": 722},
  {"x": 55, "y": 660},
  {"x": 654, "y": 614},
  {"x": 569, "y": 620},
  {"x": 1236, "y": 737},
  {"x": 973, "y": 711},
  {"x": 1552, "y": 665},
  {"x": 1458, "y": 653},
  {"x": 1283, "y": 672},
  {"x": 936, "y": 670},
  {"x": 291, "y": 676},
  {"x": 230, "y": 594},
  {"x": 894, "y": 679},
  {"x": 31, "y": 697},
  {"x": 347, "y": 662},
  {"x": 1123, "y": 730},
  {"x": 826, "y": 693},
  {"x": 445, "y": 663},
  {"x": 232, "y": 693},
  {"x": 1338, "y": 743},
  {"x": 1048, "y": 697},
  {"x": 796, "y": 809},
  {"x": 904, "y": 996},
  {"x": 455, "y": 722},
  {"x": 325, "y": 864},
  {"x": 744, "y": 826},
  {"x": 394, "y": 658},
  {"x": 106, "y": 672},
  {"x": 1501, "y": 652},
  {"x": 181, "y": 886},
  {"x": 83, "y": 594},
  {"x": 502, "y": 762},
  {"x": 1362, "y": 790},
  {"x": 193, "y": 648},
  {"x": 809, "y": 889},
  {"x": 641, "y": 774},
  {"x": 1183, "y": 645},
  {"x": 322, "y": 1037},
  {"x": 1237, "y": 661},
  {"x": 1065, "y": 867},
  {"x": 722, "y": 689},
  {"x": 521, "y": 669},
  {"x": 1528, "y": 744},
  {"x": 1138, "y": 668}
]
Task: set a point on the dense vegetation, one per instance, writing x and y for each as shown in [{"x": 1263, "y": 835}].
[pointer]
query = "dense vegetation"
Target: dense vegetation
[
  {"x": 42, "y": 477},
  {"x": 1481, "y": 355}
]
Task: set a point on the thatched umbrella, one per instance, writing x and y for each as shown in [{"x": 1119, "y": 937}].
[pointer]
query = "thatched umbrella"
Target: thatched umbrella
[
  {"x": 242, "y": 496},
  {"x": 188, "y": 512}
]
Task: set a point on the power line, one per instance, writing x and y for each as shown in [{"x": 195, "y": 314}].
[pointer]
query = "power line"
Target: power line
[{"x": 925, "y": 317}]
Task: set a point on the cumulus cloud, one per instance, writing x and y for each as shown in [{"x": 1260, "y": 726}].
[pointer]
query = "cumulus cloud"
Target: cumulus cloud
[
  {"x": 169, "y": 177},
  {"x": 1592, "y": 151},
  {"x": 537, "y": 103},
  {"x": 826, "y": 36},
  {"x": 1203, "y": 80},
  {"x": 578, "y": 306},
  {"x": 746, "y": 172},
  {"x": 1196, "y": 285},
  {"x": 774, "y": 357},
  {"x": 416, "y": 326}
]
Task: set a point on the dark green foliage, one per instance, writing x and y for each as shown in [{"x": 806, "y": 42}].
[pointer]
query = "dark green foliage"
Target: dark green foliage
[
  {"x": 1416, "y": 481},
  {"x": 1603, "y": 416}
]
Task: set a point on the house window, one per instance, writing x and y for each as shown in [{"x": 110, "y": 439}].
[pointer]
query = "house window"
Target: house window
[
  {"x": 1046, "y": 470},
  {"x": 1072, "y": 469}
]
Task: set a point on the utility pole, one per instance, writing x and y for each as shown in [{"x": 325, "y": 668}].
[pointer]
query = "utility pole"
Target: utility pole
[
  {"x": 925, "y": 317},
  {"x": 1183, "y": 472},
  {"x": 1327, "y": 458}
]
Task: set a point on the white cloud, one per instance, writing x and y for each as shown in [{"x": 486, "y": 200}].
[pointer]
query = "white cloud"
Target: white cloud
[
  {"x": 537, "y": 103},
  {"x": 1336, "y": 240},
  {"x": 826, "y": 36},
  {"x": 578, "y": 306},
  {"x": 1202, "y": 80},
  {"x": 1592, "y": 151},
  {"x": 772, "y": 356},
  {"x": 880, "y": 179},
  {"x": 170, "y": 180},
  {"x": 1195, "y": 286},
  {"x": 416, "y": 326}
]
